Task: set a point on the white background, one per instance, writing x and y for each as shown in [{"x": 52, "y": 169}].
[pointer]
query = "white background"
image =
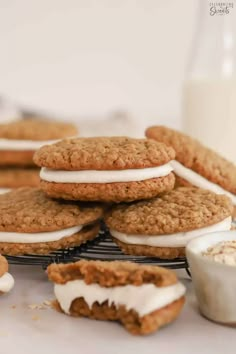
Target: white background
[{"x": 87, "y": 58}]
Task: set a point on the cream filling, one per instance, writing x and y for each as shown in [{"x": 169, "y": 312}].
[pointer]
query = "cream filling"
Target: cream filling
[
  {"x": 20, "y": 237},
  {"x": 143, "y": 299},
  {"x": 4, "y": 190},
  {"x": 179, "y": 239},
  {"x": 96, "y": 176},
  {"x": 199, "y": 181},
  {"x": 23, "y": 145},
  {"x": 6, "y": 282}
]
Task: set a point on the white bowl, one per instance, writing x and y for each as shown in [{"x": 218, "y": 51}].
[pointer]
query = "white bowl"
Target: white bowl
[{"x": 214, "y": 283}]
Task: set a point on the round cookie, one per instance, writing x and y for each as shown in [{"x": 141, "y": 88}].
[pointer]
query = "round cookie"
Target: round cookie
[
  {"x": 32, "y": 223},
  {"x": 11, "y": 177},
  {"x": 21, "y": 138},
  {"x": 6, "y": 279},
  {"x": 3, "y": 266},
  {"x": 111, "y": 169},
  {"x": 196, "y": 164},
  {"x": 161, "y": 227}
]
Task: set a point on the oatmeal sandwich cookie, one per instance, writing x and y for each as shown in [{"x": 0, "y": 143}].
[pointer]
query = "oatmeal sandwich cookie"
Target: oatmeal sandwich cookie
[
  {"x": 161, "y": 227},
  {"x": 197, "y": 165},
  {"x": 21, "y": 138},
  {"x": 31, "y": 223},
  {"x": 15, "y": 177},
  {"x": 6, "y": 279},
  {"x": 143, "y": 298},
  {"x": 112, "y": 169}
]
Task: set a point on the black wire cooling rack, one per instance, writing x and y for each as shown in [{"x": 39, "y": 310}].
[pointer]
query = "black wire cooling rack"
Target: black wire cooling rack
[{"x": 101, "y": 248}]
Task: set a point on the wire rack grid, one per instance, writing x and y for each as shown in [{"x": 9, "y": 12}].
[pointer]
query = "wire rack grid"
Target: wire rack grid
[{"x": 101, "y": 248}]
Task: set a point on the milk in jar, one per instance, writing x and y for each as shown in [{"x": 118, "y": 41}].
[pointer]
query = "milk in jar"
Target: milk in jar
[
  {"x": 209, "y": 113},
  {"x": 209, "y": 90}
]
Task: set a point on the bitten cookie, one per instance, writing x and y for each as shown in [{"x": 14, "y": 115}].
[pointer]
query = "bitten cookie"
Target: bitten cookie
[
  {"x": 196, "y": 164},
  {"x": 143, "y": 298},
  {"x": 6, "y": 279},
  {"x": 21, "y": 138},
  {"x": 31, "y": 223},
  {"x": 161, "y": 227},
  {"x": 105, "y": 169}
]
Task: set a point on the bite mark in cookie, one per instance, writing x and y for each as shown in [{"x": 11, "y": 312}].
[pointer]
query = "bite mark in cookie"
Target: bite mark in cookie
[{"x": 142, "y": 298}]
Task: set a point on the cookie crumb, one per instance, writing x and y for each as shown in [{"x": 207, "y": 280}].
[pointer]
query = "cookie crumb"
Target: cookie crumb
[
  {"x": 47, "y": 302},
  {"x": 13, "y": 307},
  {"x": 35, "y": 318},
  {"x": 33, "y": 306},
  {"x": 36, "y": 307}
]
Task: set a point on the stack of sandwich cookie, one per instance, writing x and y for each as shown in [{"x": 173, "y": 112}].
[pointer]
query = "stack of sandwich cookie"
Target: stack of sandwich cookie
[
  {"x": 161, "y": 227},
  {"x": 31, "y": 223},
  {"x": 18, "y": 142},
  {"x": 105, "y": 169},
  {"x": 143, "y": 298},
  {"x": 196, "y": 164},
  {"x": 6, "y": 279}
]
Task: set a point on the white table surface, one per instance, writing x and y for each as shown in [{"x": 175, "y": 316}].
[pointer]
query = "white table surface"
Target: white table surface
[{"x": 44, "y": 331}]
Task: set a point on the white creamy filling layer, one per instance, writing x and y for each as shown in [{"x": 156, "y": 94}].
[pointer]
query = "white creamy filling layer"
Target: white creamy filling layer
[
  {"x": 6, "y": 282},
  {"x": 4, "y": 190},
  {"x": 21, "y": 237},
  {"x": 199, "y": 181},
  {"x": 143, "y": 299},
  {"x": 23, "y": 145},
  {"x": 96, "y": 176},
  {"x": 179, "y": 239}
]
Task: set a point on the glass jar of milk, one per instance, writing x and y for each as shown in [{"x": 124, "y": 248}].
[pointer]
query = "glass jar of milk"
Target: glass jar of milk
[{"x": 209, "y": 96}]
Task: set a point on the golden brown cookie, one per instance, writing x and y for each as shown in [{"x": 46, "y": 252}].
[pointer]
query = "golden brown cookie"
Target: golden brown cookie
[
  {"x": 162, "y": 226},
  {"x": 103, "y": 153},
  {"x": 181, "y": 182},
  {"x": 37, "y": 130},
  {"x": 150, "y": 251},
  {"x": 105, "y": 169},
  {"x": 6, "y": 279},
  {"x": 15, "y": 177},
  {"x": 87, "y": 233},
  {"x": 3, "y": 266},
  {"x": 109, "y": 192},
  {"x": 32, "y": 223},
  {"x": 21, "y": 138},
  {"x": 197, "y": 157},
  {"x": 124, "y": 292}
]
